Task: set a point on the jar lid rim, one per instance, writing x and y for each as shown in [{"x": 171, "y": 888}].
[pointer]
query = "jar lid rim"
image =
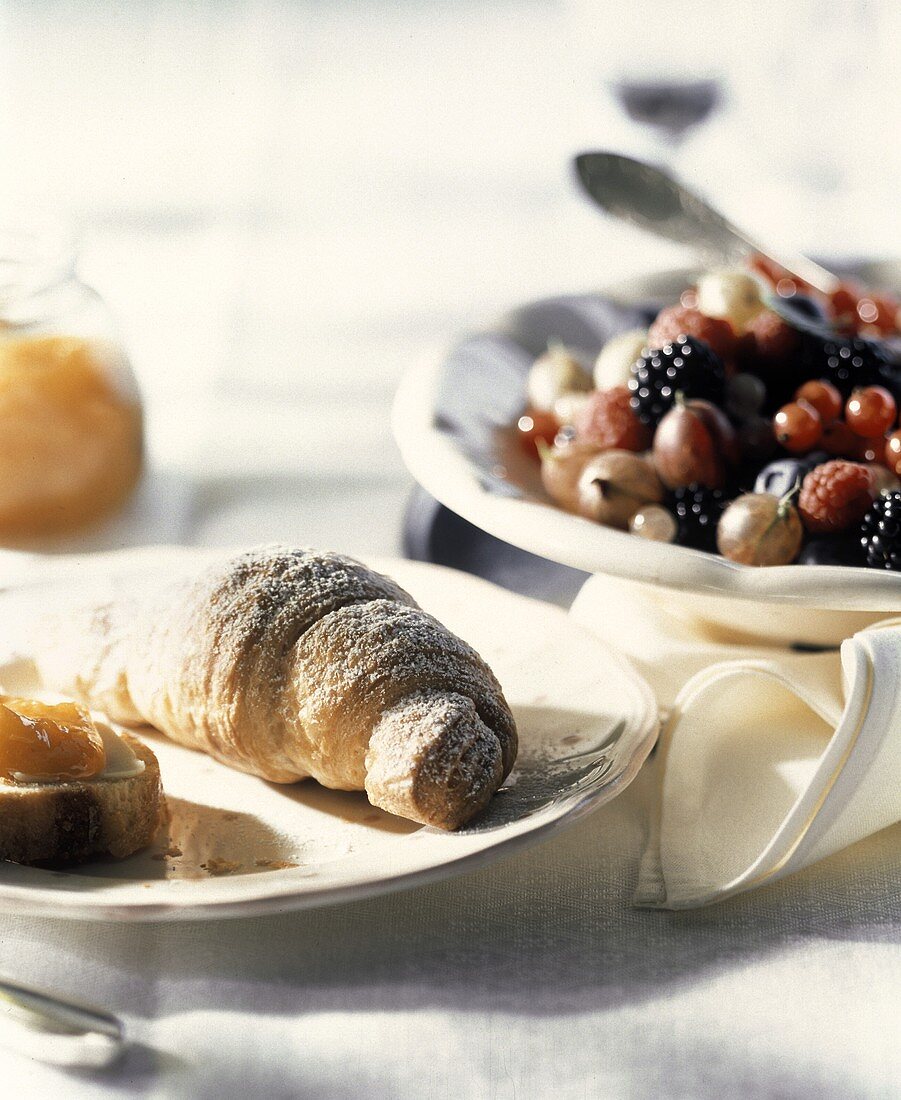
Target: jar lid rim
[{"x": 34, "y": 256}]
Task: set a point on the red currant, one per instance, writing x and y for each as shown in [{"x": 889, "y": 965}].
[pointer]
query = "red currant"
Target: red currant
[
  {"x": 871, "y": 412},
  {"x": 786, "y": 284},
  {"x": 869, "y": 450},
  {"x": 534, "y": 426},
  {"x": 798, "y": 427},
  {"x": 843, "y": 305},
  {"x": 879, "y": 311},
  {"x": 824, "y": 397},
  {"x": 893, "y": 453},
  {"x": 787, "y": 287}
]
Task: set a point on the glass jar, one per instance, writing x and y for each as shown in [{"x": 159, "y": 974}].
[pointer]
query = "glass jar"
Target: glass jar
[{"x": 71, "y": 438}]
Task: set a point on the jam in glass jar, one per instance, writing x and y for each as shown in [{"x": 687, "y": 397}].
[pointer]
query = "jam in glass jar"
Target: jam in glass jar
[{"x": 71, "y": 439}]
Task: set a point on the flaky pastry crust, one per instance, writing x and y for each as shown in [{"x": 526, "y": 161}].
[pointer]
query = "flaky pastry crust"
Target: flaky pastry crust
[{"x": 290, "y": 663}]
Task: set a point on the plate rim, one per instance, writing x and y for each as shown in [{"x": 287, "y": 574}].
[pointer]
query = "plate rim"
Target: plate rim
[{"x": 21, "y": 900}]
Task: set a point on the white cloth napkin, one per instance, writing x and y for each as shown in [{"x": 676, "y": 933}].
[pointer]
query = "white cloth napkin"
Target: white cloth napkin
[{"x": 770, "y": 759}]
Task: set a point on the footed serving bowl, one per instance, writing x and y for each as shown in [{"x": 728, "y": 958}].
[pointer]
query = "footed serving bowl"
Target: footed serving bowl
[{"x": 454, "y": 419}]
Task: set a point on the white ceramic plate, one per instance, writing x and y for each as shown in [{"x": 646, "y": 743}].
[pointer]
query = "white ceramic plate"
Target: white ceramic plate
[
  {"x": 452, "y": 421},
  {"x": 237, "y": 845}
]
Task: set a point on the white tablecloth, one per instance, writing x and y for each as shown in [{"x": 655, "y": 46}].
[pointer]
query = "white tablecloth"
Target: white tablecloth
[
  {"x": 532, "y": 978},
  {"x": 286, "y": 205}
]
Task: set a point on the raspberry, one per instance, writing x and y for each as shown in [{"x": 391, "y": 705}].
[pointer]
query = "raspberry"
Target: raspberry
[
  {"x": 880, "y": 533},
  {"x": 676, "y": 321},
  {"x": 685, "y": 365},
  {"x": 608, "y": 421},
  {"x": 774, "y": 339},
  {"x": 835, "y": 496}
]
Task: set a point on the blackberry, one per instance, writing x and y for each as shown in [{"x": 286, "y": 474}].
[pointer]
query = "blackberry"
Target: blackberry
[
  {"x": 697, "y": 510},
  {"x": 848, "y": 362},
  {"x": 685, "y": 365},
  {"x": 880, "y": 533}
]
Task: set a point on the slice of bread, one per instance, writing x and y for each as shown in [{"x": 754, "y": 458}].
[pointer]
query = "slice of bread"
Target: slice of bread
[{"x": 73, "y": 822}]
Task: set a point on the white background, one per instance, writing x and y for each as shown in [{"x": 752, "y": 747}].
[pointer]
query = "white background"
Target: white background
[{"x": 287, "y": 203}]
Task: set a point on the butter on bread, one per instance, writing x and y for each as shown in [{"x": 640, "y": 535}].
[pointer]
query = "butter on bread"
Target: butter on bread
[{"x": 112, "y": 814}]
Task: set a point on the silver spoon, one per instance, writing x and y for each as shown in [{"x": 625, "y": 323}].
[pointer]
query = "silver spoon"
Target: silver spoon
[
  {"x": 42, "y": 1026},
  {"x": 650, "y": 198}
]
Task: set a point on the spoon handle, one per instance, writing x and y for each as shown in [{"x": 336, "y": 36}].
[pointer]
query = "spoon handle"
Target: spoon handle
[
  {"x": 650, "y": 198},
  {"x": 42, "y": 1026}
]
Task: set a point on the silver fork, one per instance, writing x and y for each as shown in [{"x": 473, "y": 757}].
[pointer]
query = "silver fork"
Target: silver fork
[{"x": 45, "y": 1027}]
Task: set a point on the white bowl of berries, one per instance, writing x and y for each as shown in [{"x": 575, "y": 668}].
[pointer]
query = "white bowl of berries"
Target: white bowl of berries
[{"x": 732, "y": 436}]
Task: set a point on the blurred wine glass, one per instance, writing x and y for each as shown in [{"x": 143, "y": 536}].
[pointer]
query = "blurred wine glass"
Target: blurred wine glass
[
  {"x": 669, "y": 107},
  {"x": 663, "y": 80}
]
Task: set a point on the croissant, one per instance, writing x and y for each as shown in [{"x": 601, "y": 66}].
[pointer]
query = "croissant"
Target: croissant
[{"x": 290, "y": 663}]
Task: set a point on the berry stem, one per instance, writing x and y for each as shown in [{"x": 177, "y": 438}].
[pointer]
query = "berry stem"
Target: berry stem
[
  {"x": 781, "y": 511},
  {"x": 545, "y": 451},
  {"x": 785, "y": 500},
  {"x": 606, "y": 487}
]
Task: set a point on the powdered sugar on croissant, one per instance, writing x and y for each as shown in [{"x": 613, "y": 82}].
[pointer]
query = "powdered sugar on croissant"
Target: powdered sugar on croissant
[{"x": 289, "y": 663}]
